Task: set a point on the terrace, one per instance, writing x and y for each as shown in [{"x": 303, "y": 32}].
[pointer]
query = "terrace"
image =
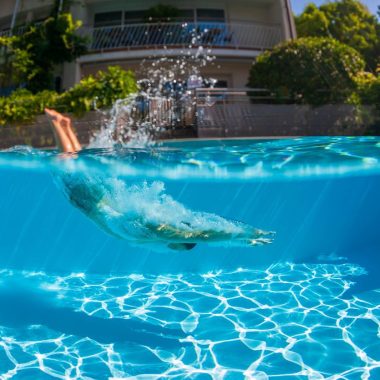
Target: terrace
[
  {"x": 235, "y": 38},
  {"x": 234, "y": 35}
]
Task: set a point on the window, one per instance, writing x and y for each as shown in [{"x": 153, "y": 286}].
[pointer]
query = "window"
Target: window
[
  {"x": 186, "y": 15},
  {"x": 108, "y": 19},
  {"x": 221, "y": 84},
  {"x": 135, "y": 17},
  {"x": 216, "y": 15}
]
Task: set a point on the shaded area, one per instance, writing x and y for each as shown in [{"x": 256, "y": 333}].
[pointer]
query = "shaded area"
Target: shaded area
[{"x": 21, "y": 306}]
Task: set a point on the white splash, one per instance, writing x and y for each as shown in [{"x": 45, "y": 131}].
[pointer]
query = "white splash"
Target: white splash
[{"x": 165, "y": 99}]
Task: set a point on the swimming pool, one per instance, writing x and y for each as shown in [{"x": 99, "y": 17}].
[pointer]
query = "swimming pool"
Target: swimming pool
[{"x": 76, "y": 302}]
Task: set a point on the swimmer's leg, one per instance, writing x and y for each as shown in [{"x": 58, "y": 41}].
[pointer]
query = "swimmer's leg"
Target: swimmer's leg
[
  {"x": 185, "y": 239},
  {"x": 65, "y": 137}
]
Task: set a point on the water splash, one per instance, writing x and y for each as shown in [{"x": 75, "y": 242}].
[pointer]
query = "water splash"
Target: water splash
[
  {"x": 129, "y": 124},
  {"x": 166, "y": 97}
]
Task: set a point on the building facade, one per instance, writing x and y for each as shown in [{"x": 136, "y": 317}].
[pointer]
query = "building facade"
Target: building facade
[{"x": 122, "y": 33}]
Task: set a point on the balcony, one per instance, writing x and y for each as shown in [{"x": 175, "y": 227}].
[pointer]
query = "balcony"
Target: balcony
[
  {"x": 16, "y": 31},
  {"x": 243, "y": 36}
]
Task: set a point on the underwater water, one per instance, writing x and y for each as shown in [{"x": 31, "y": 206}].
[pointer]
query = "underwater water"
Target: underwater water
[{"x": 89, "y": 294}]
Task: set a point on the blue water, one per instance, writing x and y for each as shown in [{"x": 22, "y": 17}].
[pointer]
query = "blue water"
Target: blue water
[{"x": 76, "y": 302}]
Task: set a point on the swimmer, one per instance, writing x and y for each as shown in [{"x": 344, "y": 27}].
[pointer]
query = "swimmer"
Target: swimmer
[{"x": 125, "y": 213}]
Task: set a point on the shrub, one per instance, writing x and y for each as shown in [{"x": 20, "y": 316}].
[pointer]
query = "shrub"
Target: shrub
[
  {"x": 369, "y": 89},
  {"x": 99, "y": 91},
  {"x": 22, "y": 105},
  {"x": 309, "y": 70},
  {"x": 368, "y": 93}
]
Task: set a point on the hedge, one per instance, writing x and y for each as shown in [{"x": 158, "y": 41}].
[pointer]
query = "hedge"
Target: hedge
[
  {"x": 309, "y": 70},
  {"x": 92, "y": 92}
]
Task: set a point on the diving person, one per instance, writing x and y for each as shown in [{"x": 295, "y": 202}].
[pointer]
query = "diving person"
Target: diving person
[{"x": 142, "y": 213}]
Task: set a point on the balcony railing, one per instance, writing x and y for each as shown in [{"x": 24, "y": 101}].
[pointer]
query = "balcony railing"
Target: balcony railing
[
  {"x": 5, "y": 33},
  {"x": 212, "y": 34},
  {"x": 17, "y": 31}
]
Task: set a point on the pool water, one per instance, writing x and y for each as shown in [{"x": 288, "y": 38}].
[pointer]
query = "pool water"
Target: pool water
[{"x": 78, "y": 303}]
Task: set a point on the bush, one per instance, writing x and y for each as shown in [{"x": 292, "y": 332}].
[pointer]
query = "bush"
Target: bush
[
  {"x": 309, "y": 70},
  {"x": 22, "y": 105},
  {"x": 92, "y": 92},
  {"x": 368, "y": 94},
  {"x": 99, "y": 91},
  {"x": 369, "y": 89},
  {"x": 374, "y": 93}
]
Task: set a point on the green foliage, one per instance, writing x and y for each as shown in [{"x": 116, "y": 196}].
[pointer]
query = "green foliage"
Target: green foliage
[
  {"x": 101, "y": 90},
  {"x": 14, "y": 63},
  {"x": 98, "y": 91},
  {"x": 30, "y": 58},
  {"x": 368, "y": 89},
  {"x": 368, "y": 94},
  {"x": 312, "y": 22},
  {"x": 161, "y": 13},
  {"x": 374, "y": 93},
  {"x": 309, "y": 70},
  {"x": 348, "y": 21},
  {"x": 22, "y": 105}
]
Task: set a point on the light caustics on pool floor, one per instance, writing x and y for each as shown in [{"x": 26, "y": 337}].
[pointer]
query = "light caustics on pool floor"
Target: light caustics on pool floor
[{"x": 291, "y": 321}]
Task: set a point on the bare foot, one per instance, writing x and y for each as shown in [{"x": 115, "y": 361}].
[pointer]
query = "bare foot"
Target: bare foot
[
  {"x": 66, "y": 139},
  {"x": 58, "y": 117}
]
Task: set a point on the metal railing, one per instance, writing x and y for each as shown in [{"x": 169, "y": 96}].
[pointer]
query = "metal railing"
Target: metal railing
[
  {"x": 18, "y": 30},
  {"x": 162, "y": 112},
  {"x": 5, "y": 33},
  {"x": 176, "y": 34}
]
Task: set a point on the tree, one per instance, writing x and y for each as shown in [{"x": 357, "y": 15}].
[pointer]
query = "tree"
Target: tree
[
  {"x": 16, "y": 64},
  {"x": 312, "y": 22},
  {"x": 309, "y": 70},
  {"x": 30, "y": 58},
  {"x": 348, "y": 21}
]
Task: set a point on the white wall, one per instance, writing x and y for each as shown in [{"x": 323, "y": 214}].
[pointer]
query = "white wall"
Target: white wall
[
  {"x": 281, "y": 12},
  {"x": 249, "y": 11},
  {"x": 236, "y": 73},
  {"x": 81, "y": 12},
  {"x": 266, "y": 11}
]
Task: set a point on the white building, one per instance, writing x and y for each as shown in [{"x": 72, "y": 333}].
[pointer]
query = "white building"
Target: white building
[{"x": 120, "y": 33}]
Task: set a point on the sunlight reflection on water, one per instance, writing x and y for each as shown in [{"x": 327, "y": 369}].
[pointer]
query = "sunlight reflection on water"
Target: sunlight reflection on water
[{"x": 289, "y": 321}]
